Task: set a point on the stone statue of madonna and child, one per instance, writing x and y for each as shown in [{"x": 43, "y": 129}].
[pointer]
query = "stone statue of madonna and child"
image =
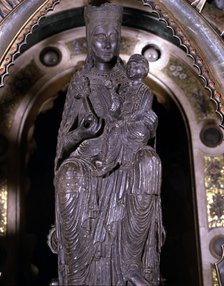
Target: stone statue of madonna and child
[{"x": 107, "y": 179}]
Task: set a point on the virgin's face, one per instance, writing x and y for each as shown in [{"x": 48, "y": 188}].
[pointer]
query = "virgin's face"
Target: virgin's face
[{"x": 105, "y": 43}]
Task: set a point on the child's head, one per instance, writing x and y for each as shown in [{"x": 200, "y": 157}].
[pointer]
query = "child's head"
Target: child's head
[{"x": 137, "y": 67}]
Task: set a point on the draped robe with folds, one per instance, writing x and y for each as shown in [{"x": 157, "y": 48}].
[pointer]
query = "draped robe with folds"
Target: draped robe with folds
[{"x": 108, "y": 227}]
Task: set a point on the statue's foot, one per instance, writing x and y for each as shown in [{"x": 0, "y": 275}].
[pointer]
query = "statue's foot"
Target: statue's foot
[{"x": 138, "y": 280}]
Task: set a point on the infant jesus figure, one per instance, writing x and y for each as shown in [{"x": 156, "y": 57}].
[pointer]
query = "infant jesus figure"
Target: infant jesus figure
[{"x": 133, "y": 121}]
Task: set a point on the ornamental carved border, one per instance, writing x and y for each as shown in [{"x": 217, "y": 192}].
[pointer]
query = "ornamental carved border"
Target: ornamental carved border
[
  {"x": 169, "y": 20},
  {"x": 163, "y": 9},
  {"x": 34, "y": 13}
]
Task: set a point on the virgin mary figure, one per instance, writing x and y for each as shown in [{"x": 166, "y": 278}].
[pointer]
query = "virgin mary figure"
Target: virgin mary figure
[{"x": 109, "y": 227}]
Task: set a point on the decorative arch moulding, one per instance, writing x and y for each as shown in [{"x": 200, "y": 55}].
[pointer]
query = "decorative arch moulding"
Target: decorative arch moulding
[
  {"x": 200, "y": 41},
  {"x": 20, "y": 21}
]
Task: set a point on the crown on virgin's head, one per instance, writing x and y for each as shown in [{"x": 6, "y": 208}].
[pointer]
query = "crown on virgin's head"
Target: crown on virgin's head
[{"x": 103, "y": 11}]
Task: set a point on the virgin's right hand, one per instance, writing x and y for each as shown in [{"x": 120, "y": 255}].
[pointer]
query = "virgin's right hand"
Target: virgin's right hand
[{"x": 90, "y": 125}]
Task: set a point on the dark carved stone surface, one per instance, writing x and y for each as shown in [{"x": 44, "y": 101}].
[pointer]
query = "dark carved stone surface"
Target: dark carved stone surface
[{"x": 107, "y": 179}]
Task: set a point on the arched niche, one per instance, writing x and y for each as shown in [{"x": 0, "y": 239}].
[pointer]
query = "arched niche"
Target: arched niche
[{"x": 35, "y": 82}]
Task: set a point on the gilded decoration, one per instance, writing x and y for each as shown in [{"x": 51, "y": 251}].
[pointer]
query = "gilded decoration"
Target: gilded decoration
[
  {"x": 206, "y": 41},
  {"x": 13, "y": 48},
  {"x": 206, "y": 37},
  {"x": 3, "y": 206},
  {"x": 14, "y": 92},
  {"x": 193, "y": 87},
  {"x": 214, "y": 185},
  {"x": 214, "y": 277},
  {"x": 219, "y": 266}
]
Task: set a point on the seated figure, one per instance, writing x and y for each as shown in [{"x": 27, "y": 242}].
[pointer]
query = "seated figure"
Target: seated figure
[{"x": 108, "y": 227}]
